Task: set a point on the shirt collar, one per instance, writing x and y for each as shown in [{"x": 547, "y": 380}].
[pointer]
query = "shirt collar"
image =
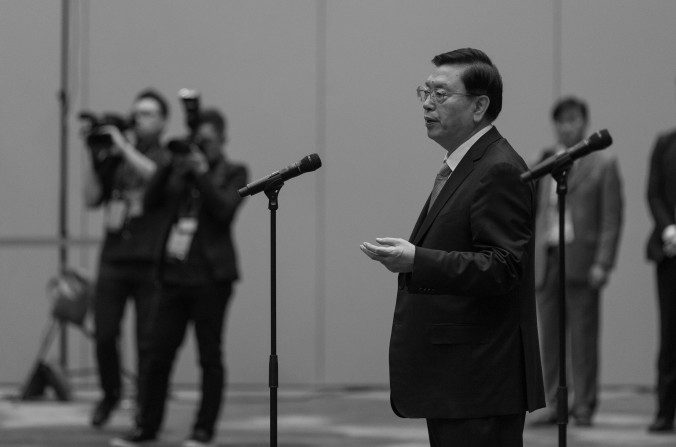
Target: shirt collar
[{"x": 453, "y": 159}]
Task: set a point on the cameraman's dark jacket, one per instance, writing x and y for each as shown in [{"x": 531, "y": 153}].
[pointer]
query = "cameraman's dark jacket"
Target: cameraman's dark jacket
[
  {"x": 137, "y": 244},
  {"x": 217, "y": 203}
]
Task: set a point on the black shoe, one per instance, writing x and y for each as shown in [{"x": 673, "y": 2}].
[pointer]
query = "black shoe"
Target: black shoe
[
  {"x": 661, "y": 425},
  {"x": 135, "y": 437},
  {"x": 199, "y": 438},
  {"x": 103, "y": 411}
]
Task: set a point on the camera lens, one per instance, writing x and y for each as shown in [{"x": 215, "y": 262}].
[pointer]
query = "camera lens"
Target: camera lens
[{"x": 99, "y": 140}]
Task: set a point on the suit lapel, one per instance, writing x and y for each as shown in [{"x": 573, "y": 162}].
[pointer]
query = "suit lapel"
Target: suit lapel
[
  {"x": 455, "y": 180},
  {"x": 461, "y": 172},
  {"x": 421, "y": 218}
]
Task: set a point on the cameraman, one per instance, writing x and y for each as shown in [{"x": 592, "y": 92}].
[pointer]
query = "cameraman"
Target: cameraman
[
  {"x": 197, "y": 192},
  {"x": 116, "y": 181}
]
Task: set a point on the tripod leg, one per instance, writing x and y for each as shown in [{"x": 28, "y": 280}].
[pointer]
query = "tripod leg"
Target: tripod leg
[
  {"x": 35, "y": 383},
  {"x": 47, "y": 338}
]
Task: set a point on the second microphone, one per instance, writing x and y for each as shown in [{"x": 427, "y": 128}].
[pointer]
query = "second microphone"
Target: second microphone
[{"x": 308, "y": 163}]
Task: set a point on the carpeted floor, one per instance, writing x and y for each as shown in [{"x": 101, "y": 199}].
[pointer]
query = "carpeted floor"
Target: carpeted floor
[{"x": 307, "y": 418}]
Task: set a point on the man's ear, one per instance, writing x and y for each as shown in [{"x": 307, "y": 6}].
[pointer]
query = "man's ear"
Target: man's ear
[{"x": 480, "y": 107}]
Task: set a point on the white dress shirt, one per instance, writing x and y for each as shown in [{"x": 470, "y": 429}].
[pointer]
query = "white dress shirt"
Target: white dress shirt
[{"x": 453, "y": 159}]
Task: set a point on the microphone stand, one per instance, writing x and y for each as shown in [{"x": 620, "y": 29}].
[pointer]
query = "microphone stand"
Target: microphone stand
[
  {"x": 560, "y": 174},
  {"x": 272, "y": 192},
  {"x": 559, "y": 169}
]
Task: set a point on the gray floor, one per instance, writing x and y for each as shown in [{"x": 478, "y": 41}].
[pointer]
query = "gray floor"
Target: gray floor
[{"x": 349, "y": 418}]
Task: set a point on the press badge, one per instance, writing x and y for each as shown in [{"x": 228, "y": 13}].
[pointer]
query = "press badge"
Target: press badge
[
  {"x": 115, "y": 214},
  {"x": 135, "y": 200},
  {"x": 180, "y": 238}
]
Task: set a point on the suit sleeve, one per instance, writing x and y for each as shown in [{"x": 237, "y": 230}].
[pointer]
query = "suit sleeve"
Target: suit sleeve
[
  {"x": 501, "y": 219},
  {"x": 658, "y": 207},
  {"x": 611, "y": 214},
  {"x": 220, "y": 198}
]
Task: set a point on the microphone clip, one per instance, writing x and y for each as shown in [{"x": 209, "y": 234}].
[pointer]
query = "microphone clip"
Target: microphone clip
[
  {"x": 562, "y": 167},
  {"x": 271, "y": 190}
]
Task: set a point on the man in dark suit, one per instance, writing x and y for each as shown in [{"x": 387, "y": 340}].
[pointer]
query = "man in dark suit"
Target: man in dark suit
[
  {"x": 197, "y": 192},
  {"x": 593, "y": 221},
  {"x": 662, "y": 251},
  {"x": 464, "y": 348},
  {"x": 115, "y": 181}
]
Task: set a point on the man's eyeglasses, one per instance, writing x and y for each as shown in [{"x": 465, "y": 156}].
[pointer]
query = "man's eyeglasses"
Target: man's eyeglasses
[{"x": 438, "y": 95}]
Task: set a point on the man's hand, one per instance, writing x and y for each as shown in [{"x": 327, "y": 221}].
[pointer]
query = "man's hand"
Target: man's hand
[
  {"x": 394, "y": 253},
  {"x": 120, "y": 143},
  {"x": 197, "y": 162},
  {"x": 670, "y": 248},
  {"x": 598, "y": 276},
  {"x": 669, "y": 241}
]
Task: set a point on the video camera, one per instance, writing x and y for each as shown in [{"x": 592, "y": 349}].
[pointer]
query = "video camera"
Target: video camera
[
  {"x": 191, "y": 106},
  {"x": 97, "y": 138}
]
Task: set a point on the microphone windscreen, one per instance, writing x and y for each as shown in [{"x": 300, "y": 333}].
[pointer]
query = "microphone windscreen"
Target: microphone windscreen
[
  {"x": 310, "y": 163},
  {"x": 600, "y": 140}
]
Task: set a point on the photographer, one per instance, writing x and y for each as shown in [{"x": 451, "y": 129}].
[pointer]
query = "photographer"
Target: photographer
[
  {"x": 122, "y": 163},
  {"x": 197, "y": 192}
]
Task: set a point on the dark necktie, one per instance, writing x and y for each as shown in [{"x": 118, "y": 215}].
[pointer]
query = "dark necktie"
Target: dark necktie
[{"x": 439, "y": 182}]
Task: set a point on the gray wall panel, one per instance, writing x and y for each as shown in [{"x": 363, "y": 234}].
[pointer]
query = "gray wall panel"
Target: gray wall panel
[{"x": 259, "y": 61}]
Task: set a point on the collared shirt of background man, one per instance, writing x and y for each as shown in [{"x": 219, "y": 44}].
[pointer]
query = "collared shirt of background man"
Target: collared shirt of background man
[
  {"x": 116, "y": 181},
  {"x": 592, "y": 226},
  {"x": 464, "y": 347}
]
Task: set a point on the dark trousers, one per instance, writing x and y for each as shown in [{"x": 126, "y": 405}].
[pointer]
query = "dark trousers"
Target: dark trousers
[
  {"x": 205, "y": 306},
  {"x": 666, "y": 363},
  {"x": 114, "y": 287},
  {"x": 582, "y": 331},
  {"x": 495, "y": 431}
]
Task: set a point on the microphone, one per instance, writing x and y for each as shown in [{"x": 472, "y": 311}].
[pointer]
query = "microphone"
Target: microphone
[
  {"x": 306, "y": 164},
  {"x": 597, "y": 141}
]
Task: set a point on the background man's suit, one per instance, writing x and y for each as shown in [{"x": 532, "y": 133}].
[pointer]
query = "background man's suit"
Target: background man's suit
[
  {"x": 464, "y": 338},
  {"x": 662, "y": 201},
  {"x": 594, "y": 204}
]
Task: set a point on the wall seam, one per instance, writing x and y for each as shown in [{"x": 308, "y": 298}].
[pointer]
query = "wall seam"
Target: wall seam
[
  {"x": 557, "y": 48},
  {"x": 320, "y": 192}
]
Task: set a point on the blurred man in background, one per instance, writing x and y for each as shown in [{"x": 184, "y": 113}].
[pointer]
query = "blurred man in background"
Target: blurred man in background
[
  {"x": 197, "y": 193},
  {"x": 593, "y": 222},
  {"x": 121, "y": 167},
  {"x": 662, "y": 251}
]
